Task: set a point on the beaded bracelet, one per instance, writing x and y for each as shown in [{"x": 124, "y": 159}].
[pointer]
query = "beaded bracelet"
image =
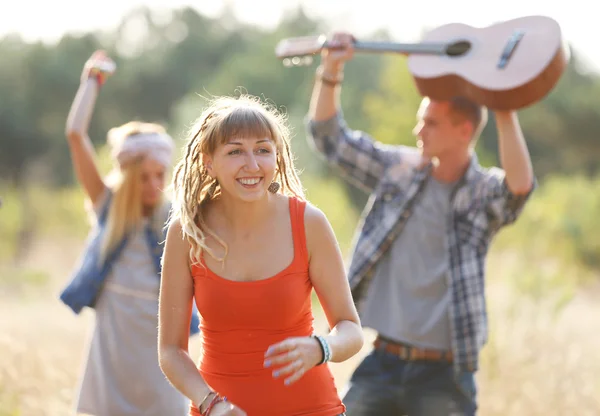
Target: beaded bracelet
[
  {"x": 216, "y": 399},
  {"x": 204, "y": 400},
  {"x": 98, "y": 75},
  {"x": 325, "y": 349}
]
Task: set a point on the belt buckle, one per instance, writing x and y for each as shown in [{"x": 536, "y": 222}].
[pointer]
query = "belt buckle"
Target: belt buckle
[{"x": 405, "y": 352}]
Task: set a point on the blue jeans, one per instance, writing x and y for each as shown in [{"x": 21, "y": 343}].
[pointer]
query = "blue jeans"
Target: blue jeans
[{"x": 386, "y": 385}]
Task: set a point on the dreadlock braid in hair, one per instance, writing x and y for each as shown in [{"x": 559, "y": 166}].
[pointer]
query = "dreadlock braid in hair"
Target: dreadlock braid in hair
[{"x": 192, "y": 188}]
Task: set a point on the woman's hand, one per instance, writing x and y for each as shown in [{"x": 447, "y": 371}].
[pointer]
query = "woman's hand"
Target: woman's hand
[
  {"x": 98, "y": 66},
  {"x": 293, "y": 357}
]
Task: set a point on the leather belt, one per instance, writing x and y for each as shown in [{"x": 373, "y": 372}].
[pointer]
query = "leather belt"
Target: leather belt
[{"x": 410, "y": 353}]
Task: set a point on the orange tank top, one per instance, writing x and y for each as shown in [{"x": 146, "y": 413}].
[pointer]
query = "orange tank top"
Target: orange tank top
[{"x": 240, "y": 320}]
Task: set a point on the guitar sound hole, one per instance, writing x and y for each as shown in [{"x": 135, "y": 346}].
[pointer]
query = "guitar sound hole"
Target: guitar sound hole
[{"x": 458, "y": 48}]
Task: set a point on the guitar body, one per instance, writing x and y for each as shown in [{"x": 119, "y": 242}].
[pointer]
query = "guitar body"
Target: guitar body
[{"x": 536, "y": 56}]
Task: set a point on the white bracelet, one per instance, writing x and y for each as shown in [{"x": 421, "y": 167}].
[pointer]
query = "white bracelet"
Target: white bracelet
[{"x": 325, "y": 348}]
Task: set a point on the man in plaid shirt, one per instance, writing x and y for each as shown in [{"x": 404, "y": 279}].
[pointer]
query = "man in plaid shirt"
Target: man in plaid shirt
[{"x": 418, "y": 266}]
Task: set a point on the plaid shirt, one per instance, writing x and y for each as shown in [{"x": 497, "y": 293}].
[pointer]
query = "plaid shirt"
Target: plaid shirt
[{"x": 394, "y": 176}]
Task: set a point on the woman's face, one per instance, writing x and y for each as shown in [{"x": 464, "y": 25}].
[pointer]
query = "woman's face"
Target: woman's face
[
  {"x": 244, "y": 167},
  {"x": 153, "y": 181}
]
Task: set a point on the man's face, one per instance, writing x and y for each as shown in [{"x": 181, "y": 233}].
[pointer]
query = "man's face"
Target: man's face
[{"x": 439, "y": 133}]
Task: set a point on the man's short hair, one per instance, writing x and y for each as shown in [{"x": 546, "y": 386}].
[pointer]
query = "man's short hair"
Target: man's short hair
[{"x": 465, "y": 109}]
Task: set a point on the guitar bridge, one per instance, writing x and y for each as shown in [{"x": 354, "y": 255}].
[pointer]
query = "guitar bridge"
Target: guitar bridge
[{"x": 510, "y": 47}]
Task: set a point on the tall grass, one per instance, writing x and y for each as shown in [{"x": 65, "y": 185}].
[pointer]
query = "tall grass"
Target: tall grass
[{"x": 543, "y": 299}]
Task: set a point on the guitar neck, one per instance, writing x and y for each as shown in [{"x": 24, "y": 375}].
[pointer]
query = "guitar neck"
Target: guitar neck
[{"x": 402, "y": 48}]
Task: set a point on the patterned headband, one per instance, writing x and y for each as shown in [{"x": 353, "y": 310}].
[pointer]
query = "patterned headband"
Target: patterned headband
[{"x": 156, "y": 146}]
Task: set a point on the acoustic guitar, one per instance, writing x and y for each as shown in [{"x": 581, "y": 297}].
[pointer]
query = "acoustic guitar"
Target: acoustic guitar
[{"x": 505, "y": 66}]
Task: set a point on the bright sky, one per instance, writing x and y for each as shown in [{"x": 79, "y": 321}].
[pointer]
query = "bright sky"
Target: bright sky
[{"x": 35, "y": 19}]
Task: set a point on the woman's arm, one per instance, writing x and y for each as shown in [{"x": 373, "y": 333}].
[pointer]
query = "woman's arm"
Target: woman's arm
[
  {"x": 293, "y": 357},
  {"x": 174, "y": 315},
  {"x": 176, "y": 297},
  {"x": 328, "y": 277},
  {"x": 80, "y": 146}
]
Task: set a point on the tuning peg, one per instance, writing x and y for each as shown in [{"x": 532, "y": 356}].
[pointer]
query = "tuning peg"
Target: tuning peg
[
  {"x": 307, "y": 60},
  {"x": 297, "y": 61}
]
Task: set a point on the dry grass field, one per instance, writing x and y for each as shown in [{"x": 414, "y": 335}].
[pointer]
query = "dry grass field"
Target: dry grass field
[{"x": 540, "y": 360}]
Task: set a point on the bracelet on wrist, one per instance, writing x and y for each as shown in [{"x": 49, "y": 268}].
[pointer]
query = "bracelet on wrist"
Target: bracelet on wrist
[
  {"x": 98, "y": 75},
  {"x": 216, "y": 399},
  {"x": 325, "y": 349},
  {"x": 328, "y": 78},
  {"x": 204, "y": 400}
]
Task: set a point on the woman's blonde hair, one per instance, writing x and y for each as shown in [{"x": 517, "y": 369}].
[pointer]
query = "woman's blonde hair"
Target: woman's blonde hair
[
  {"x": 126, "y": 211},
  {"x": 224, "y": 119}
]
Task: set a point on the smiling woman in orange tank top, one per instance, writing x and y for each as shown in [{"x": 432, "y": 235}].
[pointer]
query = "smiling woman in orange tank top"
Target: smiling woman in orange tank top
[{"x": 245, "y": 245}]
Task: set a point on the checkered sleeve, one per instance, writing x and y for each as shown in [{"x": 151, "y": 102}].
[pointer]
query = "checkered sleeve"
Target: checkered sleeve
[
  {"x": 361, "y": 160},
  {"x": 503, "y": 206}
]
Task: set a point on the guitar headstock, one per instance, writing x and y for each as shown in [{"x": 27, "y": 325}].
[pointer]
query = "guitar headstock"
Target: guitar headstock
[{"x": 298, "y": 51}]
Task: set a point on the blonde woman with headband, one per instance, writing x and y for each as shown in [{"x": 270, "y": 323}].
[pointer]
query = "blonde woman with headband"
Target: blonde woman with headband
[
  {"x": 248, "y": 249},
  {"x": 119, "y": 272}
]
